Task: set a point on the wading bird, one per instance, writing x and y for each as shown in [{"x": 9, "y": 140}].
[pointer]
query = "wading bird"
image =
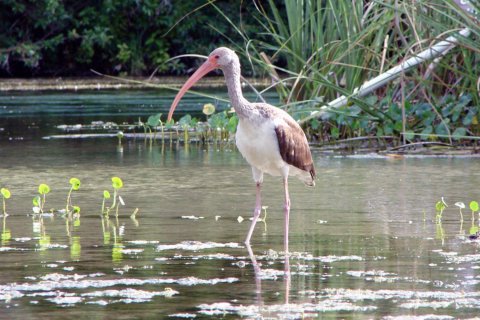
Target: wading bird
[{"x": 268, "y": 138}]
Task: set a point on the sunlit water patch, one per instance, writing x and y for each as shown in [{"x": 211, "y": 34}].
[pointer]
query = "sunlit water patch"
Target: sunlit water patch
[
  {"x": 197, "y": 245},
  {"x": 67, "y": 290},
  {"x": 363, "y": 243}
]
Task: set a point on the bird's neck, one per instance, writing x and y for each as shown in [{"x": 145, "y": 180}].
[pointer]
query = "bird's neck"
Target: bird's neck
[{"x": 239, "y": 103}]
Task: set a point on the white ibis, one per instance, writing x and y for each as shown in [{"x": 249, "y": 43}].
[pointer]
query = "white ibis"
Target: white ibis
[{"x": 267, "y": 137}]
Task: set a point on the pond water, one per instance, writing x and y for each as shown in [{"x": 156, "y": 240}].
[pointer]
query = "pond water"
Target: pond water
[{"x": 364, "y": 243}]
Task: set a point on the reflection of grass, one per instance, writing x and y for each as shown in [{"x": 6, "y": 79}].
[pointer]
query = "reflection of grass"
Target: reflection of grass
[
  {"x": 474, "y": 207},
  {"x": 6, "y": 234}
]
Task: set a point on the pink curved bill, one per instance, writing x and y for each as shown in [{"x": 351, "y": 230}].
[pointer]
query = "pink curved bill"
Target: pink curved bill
[{"x": 205, "y": 68}]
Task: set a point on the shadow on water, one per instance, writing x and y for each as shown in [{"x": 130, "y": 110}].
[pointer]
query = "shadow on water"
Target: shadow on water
[{"x": 363, "y": 244}]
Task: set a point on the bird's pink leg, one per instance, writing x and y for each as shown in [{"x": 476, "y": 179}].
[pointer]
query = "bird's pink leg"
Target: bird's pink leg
[
  {"x": 256, "y": 212},
  {"x": 287, "y": 214}
]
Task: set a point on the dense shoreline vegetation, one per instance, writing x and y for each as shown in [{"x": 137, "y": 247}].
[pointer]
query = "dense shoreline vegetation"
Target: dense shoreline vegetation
[{"x": 313, "y": 51}]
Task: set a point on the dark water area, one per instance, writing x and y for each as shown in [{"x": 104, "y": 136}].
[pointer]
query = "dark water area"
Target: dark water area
[
  {"x": 364, "y": 243},
  {"x": 28, "y": 114}
]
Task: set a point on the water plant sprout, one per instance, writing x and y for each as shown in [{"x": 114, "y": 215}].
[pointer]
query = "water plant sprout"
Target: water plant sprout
[
  {"x": 187, "y": 122},
  {"x": 152, "y": 123},
  {"x": 117, "y": 184},
  {"x": 41, "y": 198},
  {"x": 439, "y": 207},
  {"x": 74, "y": 186},
  {"x": 5, "y": 195},
  {"x": 106, "y": 196}
]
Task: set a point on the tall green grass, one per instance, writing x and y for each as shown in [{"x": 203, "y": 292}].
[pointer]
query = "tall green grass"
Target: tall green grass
[{"x": 327, "y": 48}]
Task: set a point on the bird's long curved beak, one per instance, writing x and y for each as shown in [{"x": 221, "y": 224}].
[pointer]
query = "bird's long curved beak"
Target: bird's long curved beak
[{"x": 205, "y": 68}]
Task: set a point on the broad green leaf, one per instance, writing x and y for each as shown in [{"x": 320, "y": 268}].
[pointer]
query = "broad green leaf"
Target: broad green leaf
[
  {"x": 106, "y": 194},
  {"x": 185, "y": 121},
  {"x": 409, "y": 134},
  {"x": 154, "y": 120},
  {"x": 441, "y": 129},
  {"x": 459, "y": 133},
  {"x": 335, "y": 132},
  {"x": 232, "y": 124}
]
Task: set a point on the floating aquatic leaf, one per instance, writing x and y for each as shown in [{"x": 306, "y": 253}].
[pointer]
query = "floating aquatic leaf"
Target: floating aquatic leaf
[
  {"x": 117, "y": 183},
  {"x": 43, "y": 188},
  {"x": 5, "y": 193},
  {"x": 75, "y": 182}
]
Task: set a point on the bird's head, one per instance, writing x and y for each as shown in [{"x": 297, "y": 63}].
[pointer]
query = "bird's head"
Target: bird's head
[
  {"x": 219, "y": 58},
  {"x": 223, "y": 57}
]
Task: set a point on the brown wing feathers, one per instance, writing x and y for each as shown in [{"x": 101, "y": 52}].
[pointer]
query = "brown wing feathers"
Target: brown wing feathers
[{"x": 294, "y": 147}]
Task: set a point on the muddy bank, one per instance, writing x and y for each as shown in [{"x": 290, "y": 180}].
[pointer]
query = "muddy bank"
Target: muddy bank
[{"x": 99, "y": 83}]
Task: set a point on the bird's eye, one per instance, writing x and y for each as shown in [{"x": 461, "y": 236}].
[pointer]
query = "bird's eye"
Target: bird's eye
[{"x": 217, "y": 57}]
